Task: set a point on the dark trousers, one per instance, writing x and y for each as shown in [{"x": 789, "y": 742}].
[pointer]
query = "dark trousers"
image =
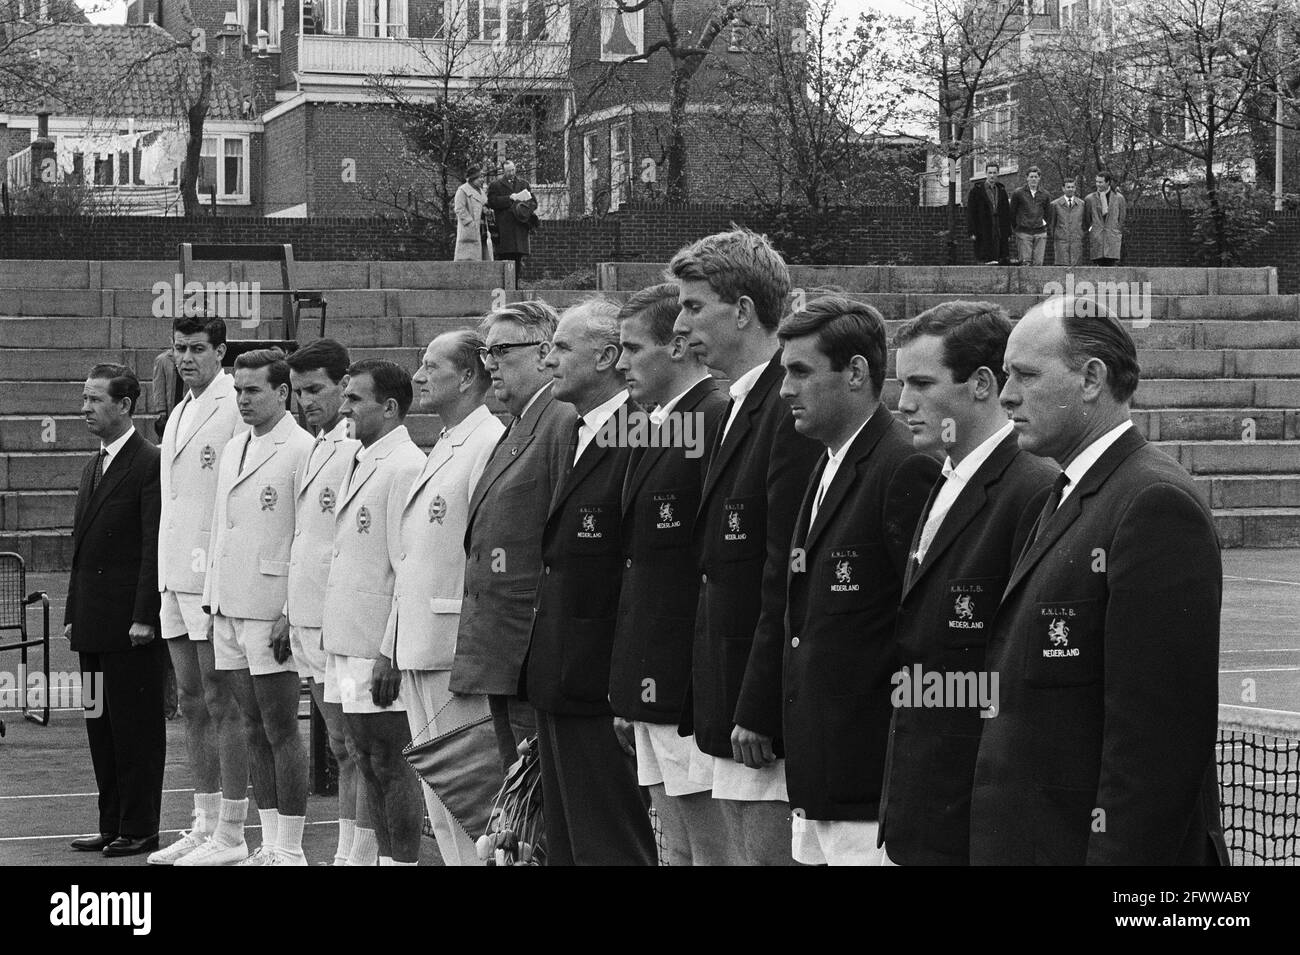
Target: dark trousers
[
  {"x": 595, "y": 814},
  {"x": 514, "y": 722},
  {"x": 128, "y": 737},
  {"x": 1104, "y": 261}
]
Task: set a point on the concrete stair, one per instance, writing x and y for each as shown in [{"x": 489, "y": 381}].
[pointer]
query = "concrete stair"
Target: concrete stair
[{"x": 1220, "y": 360}]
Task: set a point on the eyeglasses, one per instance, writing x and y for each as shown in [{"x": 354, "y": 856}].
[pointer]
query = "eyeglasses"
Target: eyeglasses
[{"x": 498, "y": 351}]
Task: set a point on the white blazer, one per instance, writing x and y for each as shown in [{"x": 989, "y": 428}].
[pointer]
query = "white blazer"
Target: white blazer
[
  {"x": 189, "y": 482},
  {"x": 316, "y": 497},
  {"x": 252, "y": 523},
  {"x": 421, "y": 632},
  {"x": 359, "y": 591}
]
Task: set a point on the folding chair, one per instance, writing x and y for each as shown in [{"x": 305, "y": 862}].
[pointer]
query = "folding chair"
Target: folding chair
[{"x": 14, "y": 601}]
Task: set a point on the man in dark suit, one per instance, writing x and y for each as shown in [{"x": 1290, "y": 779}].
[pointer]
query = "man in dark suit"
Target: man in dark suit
[
  {"x": 112, "y": 616},
  {"x": 733, "y": 289},
  {"x": 507, "y": 510},
  {"x": 1107, "y": 637},
  {"x": 594, "y": 812},
  {"x": 974, "y": 526},
  {"x": 651, "y": 662},
  {"x": 505, "y": 194},
  {"x": 988, "y": 218},
  {"x": 845, "y": 571}
]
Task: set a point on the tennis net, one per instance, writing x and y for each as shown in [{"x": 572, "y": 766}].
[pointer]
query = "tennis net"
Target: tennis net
[{"x": 1259, "y": 784}]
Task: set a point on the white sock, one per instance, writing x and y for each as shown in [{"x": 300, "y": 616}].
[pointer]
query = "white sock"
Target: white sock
[
  {"x": 230, "y": 830},
  {"x": 347, "y": 830},
  {"x": 208, "y": 809},
  {"x": 365, "y": 847},
  {"x": 385, "y": 860},
  {"x": 395, "y": 862},
  {"x": 270, "y": 826},
  {"x": 289, "y": 839}
]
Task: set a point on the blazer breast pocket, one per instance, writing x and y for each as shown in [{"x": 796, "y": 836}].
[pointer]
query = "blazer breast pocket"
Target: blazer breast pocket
[
  {"x": 666, "y": 517},
  {"x": 742, "y": 534},
  {"x": 593, "y": 528},
  {"x": 968, "y": 609},
  {"x": 841, "y": 584},
  {"x": 1064, "y": 644}
]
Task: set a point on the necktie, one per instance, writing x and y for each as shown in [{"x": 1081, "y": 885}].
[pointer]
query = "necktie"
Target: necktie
[
  {"x": 928, "y": 528},
  {"x": 577, "y": 433},
  {"x": 99, "y": 469},
  {"x": 817, "y": 501},
  {"x": 1051, "y": 504}
]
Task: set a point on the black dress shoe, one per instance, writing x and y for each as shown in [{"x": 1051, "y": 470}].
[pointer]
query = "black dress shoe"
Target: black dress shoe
[
  {"x": 131, "y": 845},
  {"x": 92, "y": 843}
]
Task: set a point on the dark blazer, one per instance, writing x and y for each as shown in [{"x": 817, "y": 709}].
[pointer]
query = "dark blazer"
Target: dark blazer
[
  {"x": 503, "y": 547},
  {"x": 1107, "y": 643},
  {"x": 114, "y": 580},
  {"x": 925, "y": 808},
  {"x": 752, "y": 488},
  {"x": 1029, "y": 212},
  {"x": 566, "y": 670},
  {"x": 512, "y": 234},
  {"x": 656, "y": 609},
  {"x": 989, "y": 223},
  {"x": 844, "y": 576}
]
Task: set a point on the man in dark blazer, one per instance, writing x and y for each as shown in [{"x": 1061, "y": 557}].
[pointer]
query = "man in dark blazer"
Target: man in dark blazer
[
  {"x": 651, "y": 662},
  {"x": 505, "y": 195},
  {"x": 973, "y": 528},
  {"x": 733, "y": 289},
  {"x": 507, "y": 510},
  {"x": 594, "y": 812},
  {"x": 845, "y": 571},
  {"x": 988, "y": 218},
  {"x": 1107, "y": 637},
  {"x": 111, "y": 617}
]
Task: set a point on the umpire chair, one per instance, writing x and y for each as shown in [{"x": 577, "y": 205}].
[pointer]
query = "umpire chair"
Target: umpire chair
[{"x": 14, "y": 602}]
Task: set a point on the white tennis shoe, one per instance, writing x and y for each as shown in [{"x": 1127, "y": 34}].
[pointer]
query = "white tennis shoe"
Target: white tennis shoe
[
  {"x": 214, "y": 853},
  {"x": 183, "y": 846}
]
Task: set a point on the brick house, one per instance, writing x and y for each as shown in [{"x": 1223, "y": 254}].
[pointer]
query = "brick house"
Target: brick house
[{"x": 299, "y": 131}]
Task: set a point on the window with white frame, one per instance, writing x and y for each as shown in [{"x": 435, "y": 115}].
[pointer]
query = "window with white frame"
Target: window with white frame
[
  {"x": 335, "y": 16},
  {"x": 223, "y": 166},
  {"x": 520, "y": 19},
  {"x": 257, "y": 15},
  {"x": 1072, "y": 14},
  {"x": 620, "y": 166},
  {"x": 590, "y": 171},
  {"x": 995, "y": 126},
  {"x": 382, "y": 18},
  {"x": 621, "y": 34}
]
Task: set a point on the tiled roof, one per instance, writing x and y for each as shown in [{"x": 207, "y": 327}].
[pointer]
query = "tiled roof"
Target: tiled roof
[{"x": 117, "y": 70}]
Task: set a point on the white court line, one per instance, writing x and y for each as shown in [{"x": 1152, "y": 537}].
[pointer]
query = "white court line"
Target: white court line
[
  {"x": 1263, "y": 670},
  {"x": 1262, "y": 650},
  {"x": 161, "y": 832},
  {"x": 1264, "y": 580},
  {"x": 70, "y": 795}
]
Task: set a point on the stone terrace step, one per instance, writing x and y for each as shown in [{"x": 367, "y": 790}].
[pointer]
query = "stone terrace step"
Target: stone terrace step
[
  {"x": 969, "y": 279},
  {"x": 71, "y": 364},
  {"x": 1235, "y": 457},
  {"x": 1204, "y": 424},
  {"x": 1253, "y": 490},
  {"x": 142, "y": 274},
  {"x": 1259, "y": 527},
  {"x": 42, "y": 551},
  {"x": 99, "y": 332}
]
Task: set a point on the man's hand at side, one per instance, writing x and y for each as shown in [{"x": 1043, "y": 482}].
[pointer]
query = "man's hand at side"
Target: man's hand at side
[
  {"x": 140, "y": 634},
  {"x": 385, "y": 681},
  {"x": 752, "y": 749}
]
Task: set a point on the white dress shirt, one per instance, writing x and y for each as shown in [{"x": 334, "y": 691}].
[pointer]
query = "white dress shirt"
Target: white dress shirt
[
  {"x": 595, "y": 419},
  {"x": 112, "y": 449},
  {"x": 661, "y": 413},
  {"x": 955, "y": 479},
  {"x": 832, "y": 468},
  {"x": 1089, "y": 455},
  {"x": 739, "y": 390}
]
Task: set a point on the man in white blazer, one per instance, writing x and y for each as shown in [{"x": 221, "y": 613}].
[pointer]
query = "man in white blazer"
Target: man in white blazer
[
  {"x": 420, "y": 640},
  {"x": 317, "y": 373},
  {"x": 246, "y": 589},
  {"x": 359, "y": 598},
  {"x": 196, "y": 435}
]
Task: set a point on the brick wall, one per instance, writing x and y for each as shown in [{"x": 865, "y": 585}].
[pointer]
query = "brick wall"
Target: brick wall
[
  {"x": 880, "y": 235},
  {"x": 284, "y": 177}
]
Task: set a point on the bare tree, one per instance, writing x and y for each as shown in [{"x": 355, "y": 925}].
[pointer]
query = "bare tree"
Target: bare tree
[
  {"x": 810, "y": 105},
  {"x": 958, "y": 50},
  {"x": 689, "y": 40}
]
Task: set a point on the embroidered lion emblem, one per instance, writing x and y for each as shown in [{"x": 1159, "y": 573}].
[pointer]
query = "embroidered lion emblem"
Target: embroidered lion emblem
[{"x": 1059, "y": 633}]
